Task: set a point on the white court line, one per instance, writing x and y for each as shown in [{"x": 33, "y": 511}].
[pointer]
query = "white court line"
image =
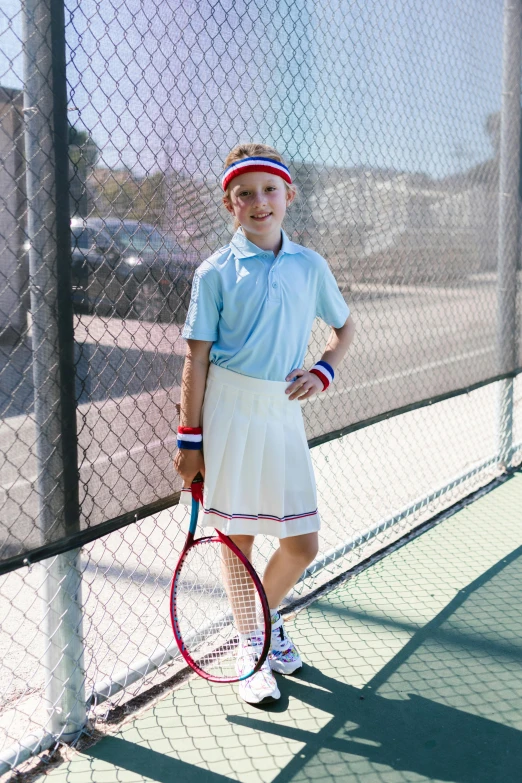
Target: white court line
[{"x": 414, "y": 371}]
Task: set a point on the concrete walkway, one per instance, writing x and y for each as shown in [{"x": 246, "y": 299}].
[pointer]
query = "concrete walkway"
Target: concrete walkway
[{"x": 413, "y": 673}]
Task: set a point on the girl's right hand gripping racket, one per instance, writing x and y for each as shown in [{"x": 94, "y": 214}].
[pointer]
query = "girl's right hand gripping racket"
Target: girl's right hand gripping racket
[{"x": 217, "y": 602}]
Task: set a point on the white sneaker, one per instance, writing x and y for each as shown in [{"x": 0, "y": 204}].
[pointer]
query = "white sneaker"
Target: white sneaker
[
  {"x": 283, "y": 656},
  {"x": 261, "y": 687}
]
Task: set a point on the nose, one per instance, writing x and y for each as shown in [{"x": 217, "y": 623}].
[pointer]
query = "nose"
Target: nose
[{"x": 260, "y": 197}]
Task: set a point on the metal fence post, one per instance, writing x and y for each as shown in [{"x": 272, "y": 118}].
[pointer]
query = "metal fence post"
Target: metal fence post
[
  {"x": 46, "y": 138},
  {"x": 508, "y": 229}
]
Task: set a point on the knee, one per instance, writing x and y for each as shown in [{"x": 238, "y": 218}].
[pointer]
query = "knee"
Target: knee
[
  {"x": 245, "y": 544},
  {"x": 305, "y": 548},
  {"x": 310, "y": 551}
]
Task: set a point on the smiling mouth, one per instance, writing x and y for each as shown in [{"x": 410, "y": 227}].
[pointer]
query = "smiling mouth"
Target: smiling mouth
[{"x": 263, "y": 216}]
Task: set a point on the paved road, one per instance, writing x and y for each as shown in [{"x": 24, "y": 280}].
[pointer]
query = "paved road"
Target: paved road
[{"x": 411, "y": 343}]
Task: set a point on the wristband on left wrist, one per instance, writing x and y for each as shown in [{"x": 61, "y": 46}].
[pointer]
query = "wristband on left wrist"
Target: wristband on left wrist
[
  {"x": 190, "y": 438},
  {"x": 324, "y": 372}
]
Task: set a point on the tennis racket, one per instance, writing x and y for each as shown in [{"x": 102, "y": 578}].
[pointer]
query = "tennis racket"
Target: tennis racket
[{"x": 217, "y": 601}]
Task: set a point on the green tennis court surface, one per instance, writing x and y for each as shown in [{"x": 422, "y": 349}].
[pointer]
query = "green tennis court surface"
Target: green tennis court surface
[{"x": 413, "y": 673}]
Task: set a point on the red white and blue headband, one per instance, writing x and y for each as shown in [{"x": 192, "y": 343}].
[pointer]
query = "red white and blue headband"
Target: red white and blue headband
[{"x": 246, "y": 165}]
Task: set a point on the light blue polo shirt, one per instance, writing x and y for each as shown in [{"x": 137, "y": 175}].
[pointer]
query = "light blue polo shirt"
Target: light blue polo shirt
[{"x": 258, "y": 310}]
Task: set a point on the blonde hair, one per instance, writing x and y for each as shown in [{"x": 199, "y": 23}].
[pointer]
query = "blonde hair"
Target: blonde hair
[{"x": 253, "y": 150}]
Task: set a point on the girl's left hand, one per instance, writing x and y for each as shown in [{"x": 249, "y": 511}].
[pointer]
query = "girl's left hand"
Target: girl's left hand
[{"x": 306, "y": 384}]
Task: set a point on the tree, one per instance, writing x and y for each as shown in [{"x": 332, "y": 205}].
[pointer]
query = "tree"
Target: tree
[{"x": 83, "y": 155}]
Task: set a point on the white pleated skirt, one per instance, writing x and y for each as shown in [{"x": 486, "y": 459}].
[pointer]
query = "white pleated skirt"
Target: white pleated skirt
[{"x": 258, "y": 472}]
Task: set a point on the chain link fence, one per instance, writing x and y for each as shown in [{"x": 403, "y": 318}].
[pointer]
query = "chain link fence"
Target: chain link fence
[{"x": 114, "y": 123}]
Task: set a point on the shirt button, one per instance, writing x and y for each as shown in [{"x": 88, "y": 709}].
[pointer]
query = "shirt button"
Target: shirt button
[{"x": 274, "y": 285}]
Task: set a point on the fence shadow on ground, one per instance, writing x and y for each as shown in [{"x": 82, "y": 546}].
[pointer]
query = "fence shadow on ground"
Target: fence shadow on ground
[
  {"x": 145, "y": 761},
  {"x": 413, "y": 673},
  {"x": 424, "y": 711}
]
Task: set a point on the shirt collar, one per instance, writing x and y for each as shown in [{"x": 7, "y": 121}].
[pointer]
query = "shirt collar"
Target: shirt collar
[{"x": 244, "y": 248}]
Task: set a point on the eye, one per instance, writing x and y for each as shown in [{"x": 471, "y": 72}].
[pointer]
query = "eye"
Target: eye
[
  {"x": 271, "y": 187},
  {"x": 244, "y": 193}
]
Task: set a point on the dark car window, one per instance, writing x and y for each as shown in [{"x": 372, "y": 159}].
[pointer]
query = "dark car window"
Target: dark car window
[
  {"x": 80, "y": 239},
  {"x": 87, "y": 238},
  {"x": 101, "y": 240},
  {"x": 140, "y": 239}
]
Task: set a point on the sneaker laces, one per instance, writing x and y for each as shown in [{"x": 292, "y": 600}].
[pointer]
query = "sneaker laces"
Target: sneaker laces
[{"x": 280, "y": 641}]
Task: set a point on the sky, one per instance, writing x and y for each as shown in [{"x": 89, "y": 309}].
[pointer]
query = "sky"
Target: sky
[{"x": 402, "y": 84}]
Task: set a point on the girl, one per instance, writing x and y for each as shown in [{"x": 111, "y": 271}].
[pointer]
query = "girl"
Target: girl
[{"x": 248, "y": 325}]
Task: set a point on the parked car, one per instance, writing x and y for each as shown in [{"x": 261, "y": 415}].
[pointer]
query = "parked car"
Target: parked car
[
  {"x": 128, "y": 268},
  {"x": 90, "y": 250}
]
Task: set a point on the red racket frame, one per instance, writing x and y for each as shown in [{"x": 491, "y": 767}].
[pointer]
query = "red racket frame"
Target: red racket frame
[{"x": 220, "y": 538}]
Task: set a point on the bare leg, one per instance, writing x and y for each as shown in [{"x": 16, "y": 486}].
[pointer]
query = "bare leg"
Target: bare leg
[
  {"x": 238, "y": 584},
  {"x": 245, "y": 544},
  {"x": 287, "y": 564}
]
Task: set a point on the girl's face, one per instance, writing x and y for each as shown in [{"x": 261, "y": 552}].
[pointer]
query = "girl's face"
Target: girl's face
[{"x": 259, "y": 200}]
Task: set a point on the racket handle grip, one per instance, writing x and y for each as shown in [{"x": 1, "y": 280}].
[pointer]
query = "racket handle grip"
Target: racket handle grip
[{"x": 197, "y": 488}]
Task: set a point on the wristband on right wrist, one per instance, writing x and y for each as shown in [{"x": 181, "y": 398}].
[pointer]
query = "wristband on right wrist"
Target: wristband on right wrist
[
  {"x": 190, "y": 438},
  {"x": 324, "y": 372}
]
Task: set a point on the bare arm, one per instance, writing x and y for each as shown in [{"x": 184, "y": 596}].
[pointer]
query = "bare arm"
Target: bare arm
[
  {"x": 195, "y": 370},
  {"x": 338, "y": 343},
  {"x": 307, "y": 384}
]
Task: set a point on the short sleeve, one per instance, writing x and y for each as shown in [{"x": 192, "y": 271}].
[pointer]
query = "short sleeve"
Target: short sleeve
[
  {"x": 331, "y": 306},
  {"x": 204, "y": 310}
]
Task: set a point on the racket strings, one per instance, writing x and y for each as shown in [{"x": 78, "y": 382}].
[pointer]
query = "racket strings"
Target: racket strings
[{"x": 218, "y": 607}]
